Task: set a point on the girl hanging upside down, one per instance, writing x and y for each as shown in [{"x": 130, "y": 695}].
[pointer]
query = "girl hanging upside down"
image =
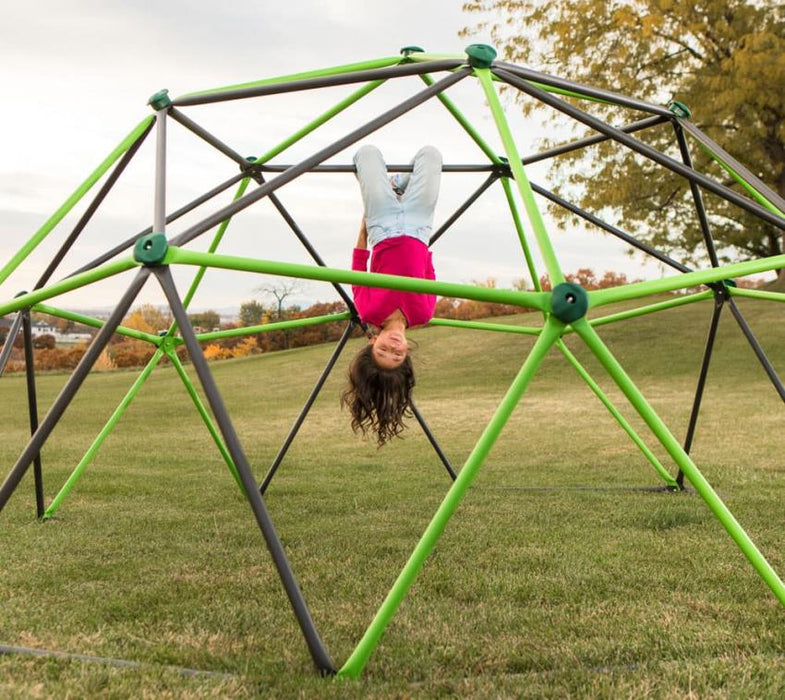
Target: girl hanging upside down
[{"x": 397, "y": 225}]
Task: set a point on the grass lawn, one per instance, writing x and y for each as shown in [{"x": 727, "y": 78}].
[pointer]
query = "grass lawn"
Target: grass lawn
[{"x": 562, "y": 573}]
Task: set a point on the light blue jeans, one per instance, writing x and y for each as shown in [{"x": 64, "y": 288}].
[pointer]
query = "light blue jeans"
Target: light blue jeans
[{"x": 387, "y": 214}]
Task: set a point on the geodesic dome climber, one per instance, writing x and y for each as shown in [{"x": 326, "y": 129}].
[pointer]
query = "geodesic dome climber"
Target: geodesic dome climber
[{"x": 563, "y": 309}]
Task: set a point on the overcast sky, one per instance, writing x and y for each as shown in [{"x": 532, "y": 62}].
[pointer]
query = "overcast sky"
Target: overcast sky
[{"x": 75, "y": 79}]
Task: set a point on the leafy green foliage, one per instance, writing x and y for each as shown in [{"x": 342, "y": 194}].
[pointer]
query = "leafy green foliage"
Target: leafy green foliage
[{"x": 725, "y": 59}]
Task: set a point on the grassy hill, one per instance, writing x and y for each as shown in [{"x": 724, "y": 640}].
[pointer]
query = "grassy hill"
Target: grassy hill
[{"x": 560, "y": 573}]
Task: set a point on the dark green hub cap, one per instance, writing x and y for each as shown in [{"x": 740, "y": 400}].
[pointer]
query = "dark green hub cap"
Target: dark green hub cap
[
  {"x": 569, "y": 302},
  {"x": 150, "y": 249},
  {"x": 160, "y": 100},
  {"x": 480, "y": 55},
  {"x": 679, "y": 109}
]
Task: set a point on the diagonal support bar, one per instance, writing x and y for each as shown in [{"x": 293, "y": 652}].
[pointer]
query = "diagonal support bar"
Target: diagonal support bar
[
  {"x": 69, "y": 204},
  {"x": 521, "y": 180},
  {"x": 93, "y": 207},
  {"x": 298, "y": 232},
  {"x": 757, "y": 349},
  {"x": 359, "y": 657},
  {"x": 432, "y": 439},
  {"x": 582, "y": 90},
  {"x": 643, "y": 149},
  {"x": 102, "y": 435},
  {"x": 613, "y": 230},
  {"x": 204, "y": 415},
  {"x": 307, "y": 407},
  {"x": 208, "y": 137},
  {"x": 8, "y": 346},
  {"x": 669, "y": 442},
  {"x": 71, "y": 388},
  {"x": 727, "y": 160},
  {"x": 318, "y": 651},
  {"x": 358, "y": 76},
  {"x": 719, "y": 302},
  {"x": 129, "y": 242},
  {"x": 462, "y": 209},
  {"x": 620, "y": 419}
]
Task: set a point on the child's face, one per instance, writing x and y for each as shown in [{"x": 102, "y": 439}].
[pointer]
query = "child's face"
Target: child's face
[{"x": 389, "y": 348}]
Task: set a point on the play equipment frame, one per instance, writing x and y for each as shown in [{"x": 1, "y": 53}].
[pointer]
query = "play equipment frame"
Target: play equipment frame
[{"x": 563, "y": 309}]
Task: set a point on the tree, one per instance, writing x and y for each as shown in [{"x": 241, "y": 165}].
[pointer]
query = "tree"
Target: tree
[
  {"x": 147, "y": 318},
  {"x": 725, "y": 59},
  {"x": 280, "y": 291},
  {"x": 205, "y": 319},
  {"x": 251, "y": 313}
]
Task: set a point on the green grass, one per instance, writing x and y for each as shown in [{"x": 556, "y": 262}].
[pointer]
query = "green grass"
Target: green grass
[{"x": 557, "y": 576}]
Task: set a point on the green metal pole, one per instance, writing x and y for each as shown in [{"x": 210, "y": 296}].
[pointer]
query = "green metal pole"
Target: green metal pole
[
  {"x": 751, "y": 190},
  {"x": 359, "y": 657},
  {"x": 652, "y": 308},
  {"x": 321, "y": 73},
  {"x": 200, "y": 407},
  {"x": 69, "y": 204},
  {"x": 534, "y": 300},
  {"x": 219, "y": 234},
  {"x": 568, "y": 93},
  {"x": 684, "y": 280},
  {"x": 482, "y": 326},
  {"x": 618, "y": 416},
  {"x": 682, "y": 459},
  {"x": 426, "y": 57},
  {"x": 524, "y": 187},
  {"x": 319, "y": 121},
  {"x": 516, "y": 217},
  {"x": 110, "y": 424},
  {"x": 463, "y": 121},
  {"x": 96, "y": 323},
  {"x": 278, "y": 326},
  {"x": 756, "y": 294},
  {"x": 70, "y": 283},
  {"x": 197, "y": 280}
]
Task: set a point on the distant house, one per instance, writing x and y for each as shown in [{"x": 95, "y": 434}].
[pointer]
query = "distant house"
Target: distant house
[
  {"x": 46, "y": 328},
  {"x": 43, "y": 328}
]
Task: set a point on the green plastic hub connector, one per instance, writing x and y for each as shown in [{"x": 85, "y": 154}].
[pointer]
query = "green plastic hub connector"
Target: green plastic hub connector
[
  {"x": 168, "y": 344},
  {"x": 150, "y": 249},
  {"x": 409, "y": 50},
  {"x": 679, "y": 109},
  {"x": 480, "y": 55},
  {"x": 569, "y": 302},
  {"x": 160, "y": 100}
]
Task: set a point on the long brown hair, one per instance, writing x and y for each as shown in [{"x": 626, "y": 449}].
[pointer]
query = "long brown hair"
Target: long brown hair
[{"x": 378, "y": 399}]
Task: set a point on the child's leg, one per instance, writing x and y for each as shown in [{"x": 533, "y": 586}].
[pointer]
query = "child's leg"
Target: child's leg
[
  {"x": 381, "y": 205},
  {"x": 423, "y": 187},
  {"x": 420, "y": 197}
]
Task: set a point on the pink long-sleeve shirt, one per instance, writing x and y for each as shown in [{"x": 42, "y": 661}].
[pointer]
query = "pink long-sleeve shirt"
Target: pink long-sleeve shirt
[{"x": 402, "y": 255}]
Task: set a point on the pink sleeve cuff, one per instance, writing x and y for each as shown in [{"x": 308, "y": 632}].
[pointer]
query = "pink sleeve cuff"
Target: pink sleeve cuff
[{"x": 360, "y": 259}]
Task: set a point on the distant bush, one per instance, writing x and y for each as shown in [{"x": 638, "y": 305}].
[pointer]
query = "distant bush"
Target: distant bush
[
  {"x": 123, "y": 351},
  {"x": 45, "y": 341}
]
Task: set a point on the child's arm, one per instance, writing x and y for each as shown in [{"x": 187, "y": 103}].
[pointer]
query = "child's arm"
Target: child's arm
[
  {"x": 360, "y": 257},
  {"x": 362, "y": 239}
]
